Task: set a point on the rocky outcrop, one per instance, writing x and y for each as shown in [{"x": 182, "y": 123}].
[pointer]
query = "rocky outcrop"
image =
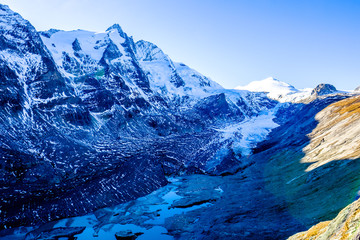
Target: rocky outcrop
[
  {"x": 127, "y": 235},
  {"x": 344, "y": 226},
  {"x": 323, "y": 89}
]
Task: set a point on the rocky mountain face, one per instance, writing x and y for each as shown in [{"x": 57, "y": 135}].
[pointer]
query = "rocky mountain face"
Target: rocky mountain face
[
  {"x": 323, "y": 89},
  {"x": 92, "y": 122},
  {"x": 89, "y": 120}
]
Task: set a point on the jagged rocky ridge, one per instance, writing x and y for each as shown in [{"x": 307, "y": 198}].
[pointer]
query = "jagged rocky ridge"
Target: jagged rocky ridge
[{"x": 92, "y": 120}]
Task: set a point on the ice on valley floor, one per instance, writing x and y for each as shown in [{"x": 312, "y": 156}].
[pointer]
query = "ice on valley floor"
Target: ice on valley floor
[
  {"x": 146, "y": 215},
  {"x": 108, "y": 231},
  {"x": 165, "y": 211},
  {"x": 252, "y": 131}
]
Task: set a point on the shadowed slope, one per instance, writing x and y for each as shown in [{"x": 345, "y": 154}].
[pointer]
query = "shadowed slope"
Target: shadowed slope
[{"x": 314, "y": 194}]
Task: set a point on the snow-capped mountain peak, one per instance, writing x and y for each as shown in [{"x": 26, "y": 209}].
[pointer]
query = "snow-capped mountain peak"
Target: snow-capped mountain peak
[
  {"x": 270, "y": 85},
  {"x": 116, "y": 27},
  {"x": 277, "y": 90}
]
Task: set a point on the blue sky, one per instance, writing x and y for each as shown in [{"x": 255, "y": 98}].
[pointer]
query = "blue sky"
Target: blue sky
[{"x": 302, "y": 42}]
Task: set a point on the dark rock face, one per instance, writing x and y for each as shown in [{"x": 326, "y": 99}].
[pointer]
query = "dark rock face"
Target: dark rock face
[
  {"x": 323, "y": 89},
  {"x": 25, "y": 54},
  {"x": 127, "y": 235}
]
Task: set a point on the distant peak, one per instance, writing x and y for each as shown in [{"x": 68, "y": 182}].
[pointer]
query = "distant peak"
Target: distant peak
[
  {"x": 269, "y": 79},
  {"x": 269, "y": 84},
  {"x": 117, "y": 28},
  {"x": 323, "y": 89},
  {"x": 4, "y": 7},
  {"x": 6, "y": 11},
  {"x": 49, "y": 32}
]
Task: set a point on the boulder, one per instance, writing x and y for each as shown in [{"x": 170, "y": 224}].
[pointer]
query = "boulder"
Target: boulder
[{"x": 127, "y": 235}]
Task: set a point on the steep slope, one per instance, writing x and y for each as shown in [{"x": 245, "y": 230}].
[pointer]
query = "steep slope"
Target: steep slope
[
  {"x": 328, "y": 141},
  {"x": 336, "y": 139},
  {"x": 344, "y": 226},
  {"x": 173, "y": 80},
  {"x": 29, "y": 76},
  {"x": 313, "y": 194}
]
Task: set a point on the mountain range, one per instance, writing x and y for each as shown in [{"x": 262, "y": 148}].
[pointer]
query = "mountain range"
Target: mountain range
[{"x": 92, "y": 120}]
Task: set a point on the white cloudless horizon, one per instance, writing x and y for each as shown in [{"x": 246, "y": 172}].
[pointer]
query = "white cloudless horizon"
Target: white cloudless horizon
[{"x": 234, "y": 42}]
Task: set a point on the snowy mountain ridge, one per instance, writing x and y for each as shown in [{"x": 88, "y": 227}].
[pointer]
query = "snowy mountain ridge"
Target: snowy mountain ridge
[
  {"x": 284, "y": 92},
  {"x": 78, "y": 53}
]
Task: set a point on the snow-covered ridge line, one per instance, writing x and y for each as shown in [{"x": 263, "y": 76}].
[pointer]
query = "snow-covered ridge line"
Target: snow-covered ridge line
[
  {"x": 78, "y": 53},
  {"x": 284, "y": 92}
]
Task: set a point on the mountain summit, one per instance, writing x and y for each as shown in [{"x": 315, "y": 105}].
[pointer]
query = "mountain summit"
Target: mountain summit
[
  {"x": 323, "y": 89},
  {"x": 277, "y": 90},
  {"x": 269, "y": 85}
]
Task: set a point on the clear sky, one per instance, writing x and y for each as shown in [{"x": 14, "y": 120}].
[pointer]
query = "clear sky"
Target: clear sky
[{"x": 234, "y": 42}]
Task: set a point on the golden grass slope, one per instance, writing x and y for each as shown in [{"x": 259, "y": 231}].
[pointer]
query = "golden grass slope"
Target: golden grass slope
[
  {"x": 344, "y": 226},
  {"x": 337, "y": 135}
]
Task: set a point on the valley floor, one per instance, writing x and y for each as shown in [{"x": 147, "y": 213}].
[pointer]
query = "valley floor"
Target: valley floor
[{"x": 189, "y": 207}]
